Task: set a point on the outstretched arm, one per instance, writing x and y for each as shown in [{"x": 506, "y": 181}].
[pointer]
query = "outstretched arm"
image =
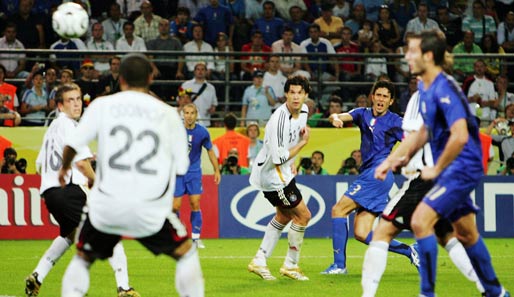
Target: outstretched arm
[{"x": 214, "y": 162}]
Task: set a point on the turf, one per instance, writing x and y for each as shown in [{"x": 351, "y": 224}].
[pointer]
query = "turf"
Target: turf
[{"x": 224, "y": 266}]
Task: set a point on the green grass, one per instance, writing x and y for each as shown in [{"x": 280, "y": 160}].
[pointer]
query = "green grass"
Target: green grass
[{"x": 224, "y": 266}]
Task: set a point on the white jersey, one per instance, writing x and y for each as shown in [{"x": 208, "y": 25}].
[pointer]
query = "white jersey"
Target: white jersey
[
  {"x": 49, "y": 159},
  {"x": 272, "y": 169},
  {"x": 142, "y": 145},
  {"x": 412, "y": 121}
]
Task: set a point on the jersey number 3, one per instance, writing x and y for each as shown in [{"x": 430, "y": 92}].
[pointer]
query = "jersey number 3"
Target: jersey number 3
[{"x": 139, "y": 166}]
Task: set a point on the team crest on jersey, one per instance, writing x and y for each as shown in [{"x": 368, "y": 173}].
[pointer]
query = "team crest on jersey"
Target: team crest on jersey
[
  {"x": 445, "y": 100},
  {"x": 372, "y": 122}
]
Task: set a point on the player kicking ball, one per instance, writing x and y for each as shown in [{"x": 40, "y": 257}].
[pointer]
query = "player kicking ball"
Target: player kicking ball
[
  {"x": 66, "y": 203},
  {"x": 273, "y": 173}
]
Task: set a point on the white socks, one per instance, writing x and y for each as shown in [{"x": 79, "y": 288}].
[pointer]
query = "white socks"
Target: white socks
[
  {"x": 58, "y": 247},
  {"x": 461, "y": 260},
  {"x": 75, "y": 281},
  {"x": 295, "y": 239},
  {"x": 269, "y": 241},
  {"x": 118, "y": 263},
  {"x": 375, "y": 261},
  {"x": 188, "y": 275}
]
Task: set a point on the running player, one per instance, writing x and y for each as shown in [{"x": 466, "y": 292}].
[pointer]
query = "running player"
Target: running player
[
  {"x": 380, "y": 130},
  {"x": 142, "y": 145},
  {"x": 273, "y": 173},
  {"x": 191, "y": 183},
  {"x": 452, "y": 132},
  {"x": 66, "y": 204},
  {"x": 397, "y": 215}
]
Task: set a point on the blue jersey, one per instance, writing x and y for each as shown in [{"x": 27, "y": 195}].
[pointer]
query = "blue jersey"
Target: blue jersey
[
  {"x": 271, "y": 29},
  {"x": 197, "y": 138},
  {"x": 442, "y": 104},
  {"x": 214, "y": 20},
  {"x": 378, "y": 135}
]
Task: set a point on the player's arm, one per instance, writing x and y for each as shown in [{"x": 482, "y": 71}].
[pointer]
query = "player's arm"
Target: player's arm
[
  {"x": 295, "y": 150},
  {"x": 67, "y": 156},
  {"x": 84, "y": 166},
  {"x": 401, "y": 156},
  {"x": 338, "y": 119},
  {"x": 459, "y": 136},
  {"x": 214, "y": 162}
]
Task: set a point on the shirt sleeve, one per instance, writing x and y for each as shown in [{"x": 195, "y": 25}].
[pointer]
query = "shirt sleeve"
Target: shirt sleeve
[{"x": 278, "y": 138}]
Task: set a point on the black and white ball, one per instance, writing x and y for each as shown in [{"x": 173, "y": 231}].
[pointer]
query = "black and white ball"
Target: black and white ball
[{"x": 70, "y": 20}]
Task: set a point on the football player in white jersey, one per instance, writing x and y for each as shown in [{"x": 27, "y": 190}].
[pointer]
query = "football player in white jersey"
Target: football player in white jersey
[
  {"x": 142, "y": 146},
  {"x": 273, "y": 173},
  {"x": 398, "y": 213},
  {"x": 66, "y": 204}
]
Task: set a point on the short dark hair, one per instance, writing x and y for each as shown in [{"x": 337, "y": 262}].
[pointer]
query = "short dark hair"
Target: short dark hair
[
  {"x": 269, "y": 3},
  {"x": 297, "y": 80},
  {"x": 128, "y": 23},
  {"x": 319, "y": 153},
  {"x": 230, "y": 121},
  {"x": 183, "y": 10},
  {"x": 435, "y": 42},
  {"x": 64, "y": 89},
  {"x": 336, "y": 99},
  {"x": 384, "y": 84},
  {"x": 136, "y": 70}
]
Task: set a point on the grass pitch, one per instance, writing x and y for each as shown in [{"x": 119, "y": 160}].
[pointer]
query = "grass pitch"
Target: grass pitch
[{"x": 224, "y": 264}]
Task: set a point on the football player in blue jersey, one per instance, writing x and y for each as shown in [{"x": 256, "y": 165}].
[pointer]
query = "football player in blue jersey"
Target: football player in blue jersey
[
  {"x": 452, "y": 132},
  {"x": 380, "y": 131}
]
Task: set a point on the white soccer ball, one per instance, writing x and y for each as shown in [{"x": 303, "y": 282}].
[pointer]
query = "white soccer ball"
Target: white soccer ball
[{"x": 70, "y": 20}]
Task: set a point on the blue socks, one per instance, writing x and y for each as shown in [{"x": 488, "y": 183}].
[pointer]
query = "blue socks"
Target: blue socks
[
  {"x": 339, "y": 240},
  {"x": 196, "y": 222},
  {"x": 428, "y": 259},
  {"x": 395, "y": 246},
  {"x": 481, "y": 260}
]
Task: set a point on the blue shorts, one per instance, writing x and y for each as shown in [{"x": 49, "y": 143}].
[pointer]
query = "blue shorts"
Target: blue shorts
[
  {"x": 450, "y": 196},
  {"x": 190, "y": 184},
  {"x": 370, "y": 193}
]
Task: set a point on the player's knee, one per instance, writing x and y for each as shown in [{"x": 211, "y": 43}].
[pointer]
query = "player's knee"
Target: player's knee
[
  {"x": 182, "y": 249},
  {"x": 467, "y": 237}
]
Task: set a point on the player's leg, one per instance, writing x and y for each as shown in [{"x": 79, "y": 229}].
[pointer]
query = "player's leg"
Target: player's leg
[
  {"x": 423, "y": 221},
  {"x": 196, "y": 219},
  {"x": 118, "y": 263},
  {"x": 180, "y": 190},
  {"x": 476, "y": 249},
  {"x": 448, "y": 240},
  {"x": 375, "y": 259},
  {"x": 340, "y": 212},
  {"x": 300, "y": 216}
]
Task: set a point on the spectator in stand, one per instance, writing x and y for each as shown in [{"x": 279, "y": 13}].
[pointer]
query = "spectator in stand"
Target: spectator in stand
[
  {"x": 258, "y": 101},
  {"x": 204, "y": 96},
  {"x": 335, "y": 105},
  {"x": 198, "y": 45},
  {"x": 433, "y": 5},
  {"x": 313, "y": 115},
  {"x": 231, "y": 139},
  {"x": 35, "y": 103},
  {"x": 341, "y": 9},
  {"x": 330, "y": 26},
  {"x": 270, "y": 26},
  {"x": 386, "y": 29},
  {"x": 480, "y": 93},
  {"x": 13, "y": 63},
  {"x": 97, "y": 43},
  {"x": 66, "y": 77},
  {"x": 316, "y": 44},
  {"x": 242, "y": 34},
  {"x": 9, "y": 164},
  {"x": 131, "y": 9},
  {"x": 361, "y": 101},
  {"x": 503, "y": 138},
  {"x": 505, "y": 36},
  {"x": 193, "y": 6},
  {"x": 8, "y": 117},
  {"x": 375, "y": 66},
  {"x": 504, "y": 97},
  {"x": 490, "y": 10},
  {"x": 113, "y": 25},
  {"x": 463, "y": 66},
  {"x": 215, "y": 18},
  {"x": 182, "y": 27},
  {"x": 479, "y": 23},
  {"x": 371, "y": 7},
  {"x": 274, "y": 78},
  {"x": 254, "y": 10},
  {"x": 109, "y": 83},
  {"x": 366, "y": 36},
  {"x": 237, "y": 7},
  {"x": 282, "y": 8},
  {"x": 170, "y": 67},
  {"x": 494, "y": 65},
  {"x": 402, "y": 73},
  {"x": 357, "y": 156},
  {"x": 253, "y": 132},
  {"x": 61, "y": 58},
  {"x": 88, "y": 86},
  {"x": 348, "y": 167},
  {"x": 451, "y": 27},
  {"x": 29, "y": 26},
  {"x": 421, "y": 22},
  {"x": 406, "y": 94},
  {"x": 231, "y": 166},
  {"x": 254, "y": 62},
  {"x": 8, "y": 97},
  {"x": 297, "y": 24},
  {"x": 313, "y": 10},
  {"x": 146, "y": 25},
  {"x": 357, "y": 19},
  {"x": 317, "y": 160},
  {"x": 129, "y": 41},
  {"x": 289, "y": 65},
  {"x": 402, "y": 11}
]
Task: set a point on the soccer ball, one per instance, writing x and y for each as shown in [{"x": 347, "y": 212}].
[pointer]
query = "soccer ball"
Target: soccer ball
[{"x": 70, "y": 20}]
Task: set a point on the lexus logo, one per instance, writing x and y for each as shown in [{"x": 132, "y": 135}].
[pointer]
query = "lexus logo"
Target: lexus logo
[{"x": 250, "y": 208}]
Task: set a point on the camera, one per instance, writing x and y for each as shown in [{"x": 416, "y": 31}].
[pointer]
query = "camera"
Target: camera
[
  {"x": 21, "y": 165},
  {"x": 503, "y": 128},
  {"x": 306, "y": 163},
  {"x": 10, "y": 160},
  {"x": 232, "y": 161}
]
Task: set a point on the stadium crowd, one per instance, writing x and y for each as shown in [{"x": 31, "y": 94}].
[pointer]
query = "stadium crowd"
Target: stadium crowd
[{"x": 260, "y": 28}]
